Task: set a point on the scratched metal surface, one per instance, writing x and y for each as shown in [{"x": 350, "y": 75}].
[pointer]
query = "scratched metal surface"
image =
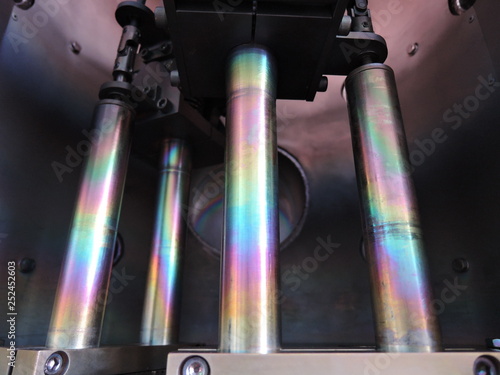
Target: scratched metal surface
[{"x": 47, "y": 95}]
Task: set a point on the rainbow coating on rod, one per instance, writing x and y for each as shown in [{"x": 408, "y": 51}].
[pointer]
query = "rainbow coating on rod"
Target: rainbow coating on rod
[
  {"x": 249, "y": 320},
  {"x": 405, "y": 321},
  {"x": 81, "y": 296},
  {"x": 160, "y": 318}
]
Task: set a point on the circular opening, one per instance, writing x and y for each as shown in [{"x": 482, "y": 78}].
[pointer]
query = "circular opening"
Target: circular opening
[
  {"x": 206, "y": 208},
  {"x": 162, "y": 103}
]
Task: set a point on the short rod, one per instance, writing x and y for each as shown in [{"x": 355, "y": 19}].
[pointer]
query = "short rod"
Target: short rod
[
  {"x": 160, "y": 323},
  {"x": 83, "y": 285},
  {"x": 249, "y": 321},
  {"x": 401, "y": 292}
]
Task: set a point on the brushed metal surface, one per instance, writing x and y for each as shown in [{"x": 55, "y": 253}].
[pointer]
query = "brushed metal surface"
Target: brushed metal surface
[
  {"x": 457, "y": 363},
  {"x": 96, "y": 361},
  {"x": 47, "y": 94},
  {"x": 249, "y": 314}
]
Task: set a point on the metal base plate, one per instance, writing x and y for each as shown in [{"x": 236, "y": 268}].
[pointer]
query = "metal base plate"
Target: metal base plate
[
  {"x": 94, "y": 361},
  {"x": 341, "y": 363}
]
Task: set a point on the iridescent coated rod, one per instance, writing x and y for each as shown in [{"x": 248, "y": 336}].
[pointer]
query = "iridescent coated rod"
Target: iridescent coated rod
[
  {"x": 405, "y": 320},
  {"x": 249, "y": 312},
  {"x": 160, "y": 317},
  {"x": 83, "y": 286}
]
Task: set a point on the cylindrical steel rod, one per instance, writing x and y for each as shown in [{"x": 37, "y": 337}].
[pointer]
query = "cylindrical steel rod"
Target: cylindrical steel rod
[
  {"x": 401, "y": 293},
  {"x": 83, "y": 286},
  {"x": 160, "y": 317},
  {"x": 249, "y": 321}
]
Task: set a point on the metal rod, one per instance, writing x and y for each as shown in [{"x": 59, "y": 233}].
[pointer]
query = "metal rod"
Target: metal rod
[
  {"x": 160, "y": 317},
  {"x": 401, "y": 293},
  {"x": 249, "y": 321},
  {"x": 83, "y": 286}
]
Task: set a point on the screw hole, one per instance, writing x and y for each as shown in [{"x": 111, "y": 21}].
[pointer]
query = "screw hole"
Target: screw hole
[
  {"x": 486, "y": 365},
  {"x": 162, "y": 103}
]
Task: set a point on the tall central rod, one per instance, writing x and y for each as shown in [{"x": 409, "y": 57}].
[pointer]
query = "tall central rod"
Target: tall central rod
[{"x": 249, "y": 321}]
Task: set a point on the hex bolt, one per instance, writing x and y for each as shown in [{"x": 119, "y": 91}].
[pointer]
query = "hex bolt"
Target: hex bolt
[
  {"x": 412, "y": 49},
  {"x": 195, "y": 366},
  {"x": 26, "y": 265},
  {"x": 75, "y": 47},
  {"x": 486, "y": 365},
  {"x": 56, "y": 364},
  {"x": 460, "y": 265}
]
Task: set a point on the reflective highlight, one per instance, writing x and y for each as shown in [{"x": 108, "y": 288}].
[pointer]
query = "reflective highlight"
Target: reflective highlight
[
  {"x": 83, "y": 286},
  {"x": 161, "y": 310},
  {"x": 405, "y": 321},
  {"x": 249, "y": 311}
]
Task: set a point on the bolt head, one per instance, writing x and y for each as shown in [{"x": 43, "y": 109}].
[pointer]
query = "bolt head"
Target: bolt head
[
  {"x": 53, "y": 364},
  {"x": 460, "y": 265},
  {"x": 56, "y": 364},
  {"x": 26, "y": 265},
  {"x": 195, "y": 366},
  {"x": 75, "y": 47},
  {"x": 412, "y": 49}
]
